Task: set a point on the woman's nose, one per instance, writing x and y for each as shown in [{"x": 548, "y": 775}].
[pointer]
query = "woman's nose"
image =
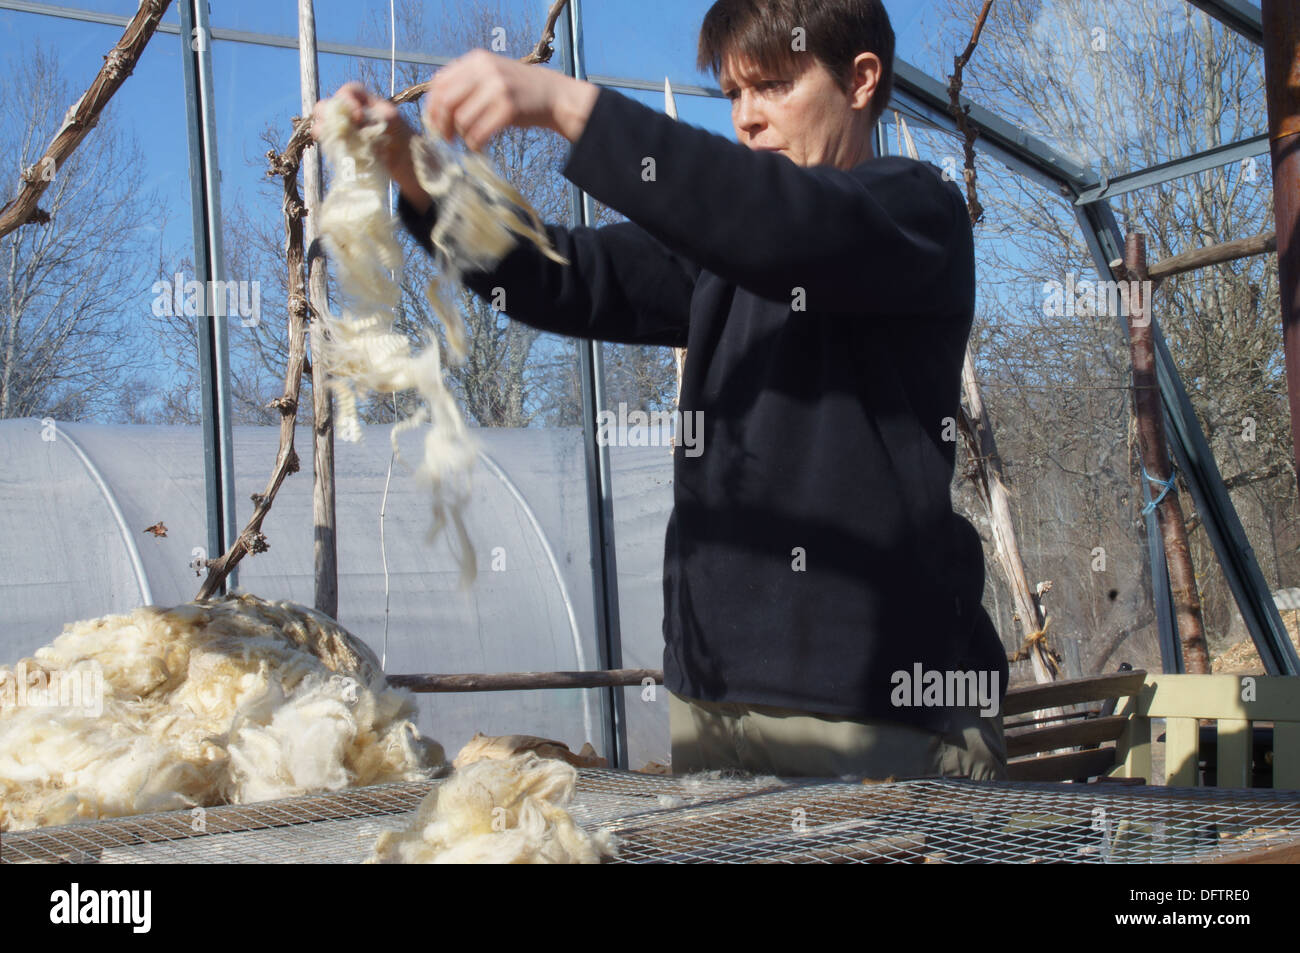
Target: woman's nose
[{"x": 745, "y": 113}]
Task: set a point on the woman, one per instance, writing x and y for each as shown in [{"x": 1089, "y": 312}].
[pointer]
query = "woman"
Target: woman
[{"x": 821, "y": 598}]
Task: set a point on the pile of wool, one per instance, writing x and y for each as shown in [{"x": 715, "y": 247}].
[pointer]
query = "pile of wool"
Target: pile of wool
[
  {"x": 228, "y": 701},
  {"x": 479, "y": 219},
  {"x": 499, "y": 747},
  {"x": 499, "y": 811}
]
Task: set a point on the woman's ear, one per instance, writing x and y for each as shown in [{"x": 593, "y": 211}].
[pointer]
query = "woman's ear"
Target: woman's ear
[{"x": 864, "y": 79}]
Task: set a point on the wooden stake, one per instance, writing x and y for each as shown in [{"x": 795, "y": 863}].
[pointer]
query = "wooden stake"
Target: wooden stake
[
  {"x": 1155, "y": 457},
  {"x": 326, "y": 563},
  {"x": 990, "y": 483}
]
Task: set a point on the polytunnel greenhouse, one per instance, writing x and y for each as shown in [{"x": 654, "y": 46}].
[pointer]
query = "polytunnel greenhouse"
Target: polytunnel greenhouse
[{"x": 556, "y": 431}]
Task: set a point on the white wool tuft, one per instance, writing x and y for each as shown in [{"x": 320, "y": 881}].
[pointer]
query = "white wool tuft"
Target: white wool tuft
[
  {"x": 224, "y": 702},
  {"x": 479, "y": 220},
  {"x": 499, "y": 811}
]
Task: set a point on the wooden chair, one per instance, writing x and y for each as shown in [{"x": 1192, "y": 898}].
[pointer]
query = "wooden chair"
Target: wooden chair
[
  {"x": 1091, "y": 725},
  {"x": 1237, "y": 703},
  {"x": 1118, "y": 745}
]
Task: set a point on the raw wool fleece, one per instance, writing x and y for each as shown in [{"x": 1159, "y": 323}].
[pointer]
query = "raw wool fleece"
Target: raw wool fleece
[
  {"x": 499, "y": 811},
  {"x": 224, "y": 702},
  {"x": 361, "y": 351}
]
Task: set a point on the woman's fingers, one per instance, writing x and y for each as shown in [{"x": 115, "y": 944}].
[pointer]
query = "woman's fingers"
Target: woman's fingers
[
  {"x": 482, "y": 116},
  {"x": 476, "y": 96}
]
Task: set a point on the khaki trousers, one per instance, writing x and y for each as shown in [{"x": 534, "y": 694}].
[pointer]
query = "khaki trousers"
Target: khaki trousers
[{"x": 758, "y": 739}]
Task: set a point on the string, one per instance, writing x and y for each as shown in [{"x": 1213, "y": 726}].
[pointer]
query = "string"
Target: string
[
  {"x": 1165, "y": 487},
  {"x": 383, "y": 503}
]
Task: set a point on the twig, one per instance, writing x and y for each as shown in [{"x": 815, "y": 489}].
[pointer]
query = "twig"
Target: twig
[
  {"x": 81, "y": 117},
  {"x": 543, "y": 51},
  {"x": 961, "y": 114},
  {"x": 285, "y": 164}
]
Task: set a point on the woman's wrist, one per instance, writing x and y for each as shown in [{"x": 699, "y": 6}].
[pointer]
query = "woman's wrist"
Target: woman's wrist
[
  {"x": 395, "y": 153},
  {"x": 573, "y": 108}
]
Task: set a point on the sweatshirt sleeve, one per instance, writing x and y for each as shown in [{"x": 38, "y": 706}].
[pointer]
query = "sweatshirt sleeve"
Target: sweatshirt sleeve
[
  {"x": 621, "y": 285},
  {"x": 877, "y": 239}
]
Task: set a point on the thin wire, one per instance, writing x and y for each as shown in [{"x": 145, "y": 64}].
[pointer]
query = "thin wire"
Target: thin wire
[{"x": 383, "y": 504}]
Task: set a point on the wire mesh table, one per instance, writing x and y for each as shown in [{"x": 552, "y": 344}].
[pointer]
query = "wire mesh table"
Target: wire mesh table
[{"x": 739, "y": 820}]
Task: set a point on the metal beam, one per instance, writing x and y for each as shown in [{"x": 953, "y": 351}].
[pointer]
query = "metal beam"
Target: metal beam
[
  {"x": 1237, "y": 15},
  {"x": 932, "y": 96},
  {"x": 600, "y": 490},
  {"x": 209, "y": 263},
  {"x": 1176, "y": 169}
]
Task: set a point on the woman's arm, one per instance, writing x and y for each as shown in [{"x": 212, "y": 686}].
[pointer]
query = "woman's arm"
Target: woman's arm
[
  {"x": 877, "y": 239},
  {"x": 621, "y": 285}
]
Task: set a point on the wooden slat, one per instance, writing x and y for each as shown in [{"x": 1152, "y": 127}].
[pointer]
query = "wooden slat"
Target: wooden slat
[
  {"x": 1134, "y": 749},
  {"x": 1276, "y": 698},
  {"x": 1286, "y": 756},
  {"x": 1182, "y": 744},
  {"x": 1072, "y": 691},
  {"x": 1091, "y": 732},
  {"x": 1233, "y": 753},
  {"x": 1063, "y": 767},
  {"x": 1071, "y": 717},
  {"x": 1259, "y": 244},
  {"x": 1285, "y": 853}
]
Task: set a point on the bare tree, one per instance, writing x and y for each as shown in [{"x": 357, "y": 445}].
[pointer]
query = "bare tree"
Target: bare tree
[{"x": 72, "y": 294}]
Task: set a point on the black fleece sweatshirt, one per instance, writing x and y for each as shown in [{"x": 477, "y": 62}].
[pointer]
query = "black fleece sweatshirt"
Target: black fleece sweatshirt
[{"x": 813, "y": 550}]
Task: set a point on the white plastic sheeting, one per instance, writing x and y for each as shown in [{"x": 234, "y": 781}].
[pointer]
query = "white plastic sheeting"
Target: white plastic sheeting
[{"x": 75, "y": 500}]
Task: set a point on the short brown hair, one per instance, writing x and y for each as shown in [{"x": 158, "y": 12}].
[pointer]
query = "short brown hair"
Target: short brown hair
[{"x": 835, "y": 32}]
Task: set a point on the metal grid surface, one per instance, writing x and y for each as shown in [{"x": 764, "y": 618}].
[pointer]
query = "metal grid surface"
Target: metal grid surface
[{"x": 694, "y": 819}]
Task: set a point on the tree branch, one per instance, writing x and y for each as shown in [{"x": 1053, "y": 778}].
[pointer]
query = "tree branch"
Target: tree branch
[
  {"x": 82, "y": 116},
  {"x": 961, "y": 115}
]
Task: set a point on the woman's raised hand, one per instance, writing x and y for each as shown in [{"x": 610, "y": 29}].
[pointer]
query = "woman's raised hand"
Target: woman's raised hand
[{"x": 479, "y": 94}]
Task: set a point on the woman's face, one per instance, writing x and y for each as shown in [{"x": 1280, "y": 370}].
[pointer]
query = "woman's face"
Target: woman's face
[{"x": 803, "y": 115}]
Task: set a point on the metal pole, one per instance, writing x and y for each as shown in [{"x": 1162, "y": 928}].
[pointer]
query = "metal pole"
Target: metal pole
[
  {"x": 1281, "y": 76},
  {"x": 600, "y": 496},
  {"x": 214, "y": 348}
]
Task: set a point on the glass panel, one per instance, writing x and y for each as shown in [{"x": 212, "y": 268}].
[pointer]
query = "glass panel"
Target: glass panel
[
  {"x": 620, "y": 40},
  {"x": 1056, "y": 388},
  {"x": 1223, "y": 325},
  {"x": 509, "y": 27},
  {"x": 531, "y": 608},
  {"x": 1117, "y": 87},
  {"x": 78, "y": 317}
]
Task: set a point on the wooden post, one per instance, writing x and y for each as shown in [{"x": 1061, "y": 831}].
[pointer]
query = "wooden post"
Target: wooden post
[
  {"x": 1282, "y": 92},
  {"x": 326, "y": 565},
  {"x": 527, "y": 681},
  {"x": 992, "y": 488},
  {"x": 1155, "y": 457}
]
